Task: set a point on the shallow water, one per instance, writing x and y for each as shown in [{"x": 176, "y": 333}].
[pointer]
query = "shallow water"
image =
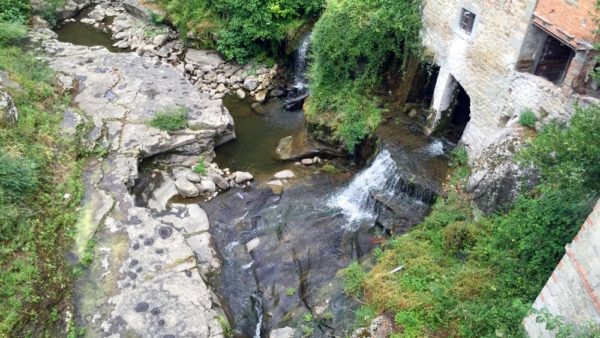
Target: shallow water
[
  {"x": 257, "y": 136},
  {"x": 82, "y": 34}
]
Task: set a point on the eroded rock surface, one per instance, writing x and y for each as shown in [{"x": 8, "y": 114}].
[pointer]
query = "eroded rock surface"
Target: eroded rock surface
[
  {"x": 146, "y": 279},
  {"x": 496, "y": 179}
]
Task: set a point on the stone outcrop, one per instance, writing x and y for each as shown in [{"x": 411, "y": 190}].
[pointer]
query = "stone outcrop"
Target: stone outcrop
[
  {"x": 9, "y": 114},
  {"x": 147, "y": 278},
  {"x": 496, "y": 180},
  {"x": 69, "y": 9}
]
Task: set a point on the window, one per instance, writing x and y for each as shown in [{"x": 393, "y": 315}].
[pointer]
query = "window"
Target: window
[{"x": 467, "y": 19}]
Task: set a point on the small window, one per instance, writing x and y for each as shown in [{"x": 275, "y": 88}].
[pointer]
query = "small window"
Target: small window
[{"x": 467, "y": 19}]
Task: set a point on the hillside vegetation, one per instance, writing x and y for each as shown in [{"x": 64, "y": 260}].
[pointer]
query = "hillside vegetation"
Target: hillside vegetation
[
  {"x": 241, "y": 29},
  {"x": 473, "y": 276},
  {"x": 353, "y": 43},
  {"x": 40, "y": 190}
]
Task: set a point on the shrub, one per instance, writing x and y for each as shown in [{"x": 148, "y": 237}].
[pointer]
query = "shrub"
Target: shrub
[
  {"x": 459, "y": 236},
  {"x": 14, "y": 11},
  {"x": 11, "y": 33},
  {"x": 18, "y": 177},
  {"x": 241, "y": 29},
  {"x": 290, "y": 291},
  {"x": 348, "y": 63},
  {"x": 170, "y": 119},
  {"x": 200, "y": 167},
  {"x": 527, "y": 118}
]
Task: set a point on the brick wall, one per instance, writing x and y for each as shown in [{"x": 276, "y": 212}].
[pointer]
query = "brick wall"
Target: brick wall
[
  {"x": 571, "y": 20},
  {"x": 573, "y": 290}
]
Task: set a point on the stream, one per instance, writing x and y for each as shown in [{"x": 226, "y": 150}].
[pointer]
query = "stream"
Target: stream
[{"x": 282, "y": 253}]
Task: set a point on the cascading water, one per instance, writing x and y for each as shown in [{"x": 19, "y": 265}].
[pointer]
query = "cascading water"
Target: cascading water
[
  {"x": 355, "y": 200},
  {"x": 258, "y": 308},
  {"x": 300, "y": 82}
]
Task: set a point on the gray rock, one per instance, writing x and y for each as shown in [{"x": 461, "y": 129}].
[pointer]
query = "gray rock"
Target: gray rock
[
  {"x": 242, "y": 177},
  {"x": 220, "y": 182},
  {"x": 307, "y": 161},
  {"x": 186, "y": 188},
  {"x": 240, "y": 93},
  {"x": 253, "y": 244},
  {"x": 193, "y": 177},
  {"x": 136, "y": 9},
  {"x": 203, "y": 57},
  {"x": 9, "y": 115},
  {"x": 160, "y": 40},
  {"x": 285, "y": 332},
  {"x": 285, "y": 175},
  {"x": 208, "y": 186},
  {"x": 207, "y": 257},
  {"x": 71, "y": 120},
  {"x": 250, "y": 83},
  {"x": 276, "y": 93}
]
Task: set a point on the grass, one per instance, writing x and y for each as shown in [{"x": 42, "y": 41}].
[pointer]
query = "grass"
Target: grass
[
  {"x": 171, "y": 119},
  {"x": 38, "y": 167},
  {"x": 290, "y": 291},
  {"x": 527, "y": 119},
  {"x": 476, "y": 276}
]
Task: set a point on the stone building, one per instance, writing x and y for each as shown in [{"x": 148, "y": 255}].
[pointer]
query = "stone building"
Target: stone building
[{"x": 497, "y": 58}]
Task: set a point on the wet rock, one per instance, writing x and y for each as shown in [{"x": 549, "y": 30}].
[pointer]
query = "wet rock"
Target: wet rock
[
  {"x": 284, "y": 175},
  {"x": 302, "y": 145},
  {"x": 307, "y": 161},
  {"x": 88, "y": 21},
  {"x": 242, "y": 177},
  {"x": 276, "y": 186},
  {"x": 250, "y": 83},
  {"x": 261, "y": 96},
  {"x": 276, "y": 93},
  {"x": 241, "y": 94},
  {"x": 285, "y": 332},
  {"x": 253, "y": 244},
  {"x": 186, "y": 188}
]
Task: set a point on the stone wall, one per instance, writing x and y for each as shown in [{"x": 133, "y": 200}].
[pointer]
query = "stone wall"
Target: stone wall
[
  {"x": 572, "y": 292},
  {"x": 484, "y": 64}
]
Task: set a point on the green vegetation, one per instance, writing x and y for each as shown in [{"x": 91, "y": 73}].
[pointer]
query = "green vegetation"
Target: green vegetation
[
  {"x": 227, "y": 330},
  {"x": 200, "y": 167},
  {"x": 477, "y": 277},
  {"x": 170, "y": 119},
  {"x": 527, "y": 118},
  {"x": 40, "y": 192},
  {"x": 290, "y": 291},
  {"x": 348, "y": 64},
  {"x": 240, "y": 29}
]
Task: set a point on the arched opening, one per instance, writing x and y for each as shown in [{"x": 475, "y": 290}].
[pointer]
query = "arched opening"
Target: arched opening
[{"x": 452, "y": 106}]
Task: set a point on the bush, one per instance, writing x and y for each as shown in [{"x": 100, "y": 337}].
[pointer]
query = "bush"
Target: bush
[
  {"x": 241, "y": 29},
  {"x": 18, "y": 177},
  {"x": 200, "y": 167},
  {"x": 15, "y": 11},
  {"x": 527, "y": 119},
  {"x": 170, "y": 119},
  {"x": 348, "y": 63},
  {"x": 11, "y": 33},
  {"x": 460, "y": 236}
]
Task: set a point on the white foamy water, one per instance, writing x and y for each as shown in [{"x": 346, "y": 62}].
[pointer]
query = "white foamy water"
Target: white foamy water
[
  {"x": 355, "y": 200},
  {"x": 435, "y": 148},
  {"x": 300, "y": 63}
]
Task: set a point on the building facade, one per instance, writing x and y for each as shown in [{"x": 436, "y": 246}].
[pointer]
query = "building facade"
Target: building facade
[{"x": 498, "y": 58}]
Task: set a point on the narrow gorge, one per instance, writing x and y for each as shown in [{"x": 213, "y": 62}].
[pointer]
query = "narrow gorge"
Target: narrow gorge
[{"x": 343, "y": 169}]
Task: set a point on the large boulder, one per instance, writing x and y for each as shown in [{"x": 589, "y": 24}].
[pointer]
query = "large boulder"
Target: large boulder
[
  {"x": 497, "y": 180},
  {"x": 203, "y": 57},
  {"x": 302, "y": 145},
  {"x": 9, "y": 115}
]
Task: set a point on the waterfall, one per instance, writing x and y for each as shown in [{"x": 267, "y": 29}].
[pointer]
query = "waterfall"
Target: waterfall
[
  {"x": 258, "y": 308},
  {"x": 300, "y": 81},
  {"x": 355, "y": 200}
]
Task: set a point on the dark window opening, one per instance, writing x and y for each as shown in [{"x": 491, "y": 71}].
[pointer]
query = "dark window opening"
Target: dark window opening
[
  {"x": 554, "y": 60},
  {"x": 461, "y": 114},
  {"x": 467, "y": 20}
]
